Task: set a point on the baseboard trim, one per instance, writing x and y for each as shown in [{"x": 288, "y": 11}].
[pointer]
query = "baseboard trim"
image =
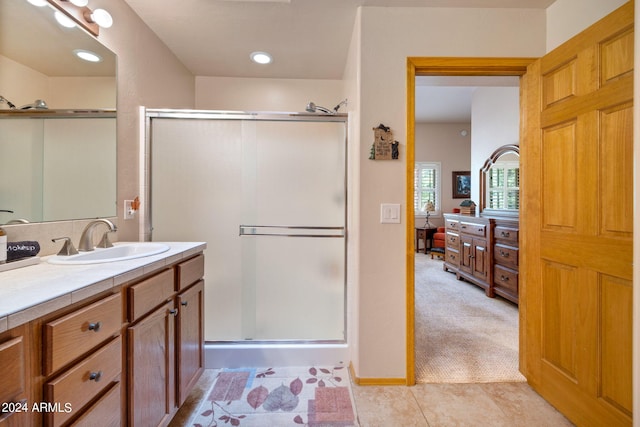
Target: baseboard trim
[{"x": 374, "y": 381}]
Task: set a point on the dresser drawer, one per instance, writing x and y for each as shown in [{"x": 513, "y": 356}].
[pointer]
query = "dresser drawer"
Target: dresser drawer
[
  {"x": 81, "y": 383},
  {"x": 452, "y": 257},
  {"x": 189, "y": 272},
  {"x": 150, "y": 293},
  {"x": 506, "y": 255},
  {"x": 105, "y": 412},
  {"x": 506, "y": 234},
  {"x": 473, "y": 229},
  {"x": 70, "y": 336},
  {"x": 505, "y": 278},
  {"x": 452, "y": 239}
]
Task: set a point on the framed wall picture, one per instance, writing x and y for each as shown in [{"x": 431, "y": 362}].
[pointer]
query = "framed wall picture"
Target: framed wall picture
[{"x": 461, "y": 184}]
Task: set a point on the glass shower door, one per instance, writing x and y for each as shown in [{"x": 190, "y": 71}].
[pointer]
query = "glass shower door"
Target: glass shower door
[
  {"x": 269, "y": 198},
  {"x": 292, "y": 230}
]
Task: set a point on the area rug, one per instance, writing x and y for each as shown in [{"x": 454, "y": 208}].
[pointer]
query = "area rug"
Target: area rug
[
  {"x": 461, "y": 335},
  {"x": 269, "y": 397}
]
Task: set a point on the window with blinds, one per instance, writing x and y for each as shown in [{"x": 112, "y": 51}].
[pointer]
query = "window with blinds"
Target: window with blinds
[
  {"x": 426, "y": 186},
  {"x": 504, "y": 186}
]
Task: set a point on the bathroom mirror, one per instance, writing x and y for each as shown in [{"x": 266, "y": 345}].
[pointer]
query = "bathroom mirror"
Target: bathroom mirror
[
  {"x": 500, "y": 182},
  {"x": 60, "y": 163}
]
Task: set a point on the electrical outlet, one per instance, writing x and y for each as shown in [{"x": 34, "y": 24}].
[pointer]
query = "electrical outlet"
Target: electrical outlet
[{"x": 129, "y": 212}]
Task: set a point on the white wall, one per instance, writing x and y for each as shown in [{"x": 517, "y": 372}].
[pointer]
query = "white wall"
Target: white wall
[
  {"x": 149, "y": 75},
  {"x": 253, "y": 94},
  {"x": 495, "y": 121},
  {"x": 381, "y": 261},
  {"x": 443, "y": 143},
  {"x": 566, "y": 18}
]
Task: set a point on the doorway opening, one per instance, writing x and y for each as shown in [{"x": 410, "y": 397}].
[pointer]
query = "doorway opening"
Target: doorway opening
[{"x": 441, "y": 67}]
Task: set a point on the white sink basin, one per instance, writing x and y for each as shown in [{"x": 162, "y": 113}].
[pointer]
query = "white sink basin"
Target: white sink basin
[{"x": 120, "y": 252}]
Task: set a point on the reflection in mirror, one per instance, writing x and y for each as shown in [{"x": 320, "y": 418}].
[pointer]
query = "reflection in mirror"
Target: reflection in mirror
[
  {"x": 500, "y": 182},
  {"x": 57, "y": 163}
]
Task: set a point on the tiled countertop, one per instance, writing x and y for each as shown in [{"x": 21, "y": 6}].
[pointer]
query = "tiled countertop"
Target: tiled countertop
[{"x": 34, "y": 291}]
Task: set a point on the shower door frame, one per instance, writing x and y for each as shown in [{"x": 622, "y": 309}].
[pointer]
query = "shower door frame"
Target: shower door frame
[{"x": 146, "y": 170}]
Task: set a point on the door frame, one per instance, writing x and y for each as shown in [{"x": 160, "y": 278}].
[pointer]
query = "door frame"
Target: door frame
[{"x": 441, "y": 66}]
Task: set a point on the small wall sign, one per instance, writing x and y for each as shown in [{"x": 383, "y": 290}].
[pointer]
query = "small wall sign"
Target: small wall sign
[{"x": 384, "y": 147}]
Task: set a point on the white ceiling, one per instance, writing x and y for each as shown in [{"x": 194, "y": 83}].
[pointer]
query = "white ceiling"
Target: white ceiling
[{"x": 309, "y": 39}]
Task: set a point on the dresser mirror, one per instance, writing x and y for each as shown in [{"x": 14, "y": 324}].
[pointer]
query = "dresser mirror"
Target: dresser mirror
[
  {"x": 500, "y": 182},
  {"x": 57, "y": 163}
]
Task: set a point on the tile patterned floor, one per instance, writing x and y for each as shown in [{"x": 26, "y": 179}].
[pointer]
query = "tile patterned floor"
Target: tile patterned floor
[{"x": 432, "y": 405}]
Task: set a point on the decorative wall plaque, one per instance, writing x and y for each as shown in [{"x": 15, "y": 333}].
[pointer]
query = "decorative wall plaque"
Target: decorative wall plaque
[{"x": 384, "y": 147}]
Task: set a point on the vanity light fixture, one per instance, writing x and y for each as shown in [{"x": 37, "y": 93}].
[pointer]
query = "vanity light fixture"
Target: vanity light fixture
[
  {"x": 87, "y": 55},
  {"x": 38, "y": 3},
  {"x": 261, "y": 58},
  {"x": 100, "y": 17},
  {"x": 78, "y": 12}
]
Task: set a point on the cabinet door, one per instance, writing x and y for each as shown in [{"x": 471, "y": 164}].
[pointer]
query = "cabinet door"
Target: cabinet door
[
  {"x": 151, "y": 368},
  {"x": 190, "y": 345},
  {"x": 14, "y": 379},
  {"x": 466, "y": 253},
  {"x": 479, "y": 259}
]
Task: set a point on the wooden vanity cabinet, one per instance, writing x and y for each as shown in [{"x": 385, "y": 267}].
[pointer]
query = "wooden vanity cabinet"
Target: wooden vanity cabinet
[
  {"x": 14, "y": 378},
  {"x": 165, "y": 342}
]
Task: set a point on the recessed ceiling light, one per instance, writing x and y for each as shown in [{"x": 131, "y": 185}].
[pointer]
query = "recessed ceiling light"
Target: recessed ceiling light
[
  {"x": 261, "y": 58},
  {"x": 87, "y": 55}
]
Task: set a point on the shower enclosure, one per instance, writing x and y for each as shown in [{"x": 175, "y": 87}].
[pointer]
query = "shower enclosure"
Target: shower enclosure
[{"x": 267, "y": 192}]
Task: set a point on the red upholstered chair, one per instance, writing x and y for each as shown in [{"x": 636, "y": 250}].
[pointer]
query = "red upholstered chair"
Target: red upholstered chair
[{"x": 438, "y": 243}]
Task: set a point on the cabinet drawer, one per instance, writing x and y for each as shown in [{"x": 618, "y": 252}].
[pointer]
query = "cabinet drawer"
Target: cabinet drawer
[
  {"x": 12, "y": 369},
  {"x": 70, "y": 336},
  {"x": 105, "y": 412},
  {"x": 189, "y": 272},
  {"x": 506, "y": 255},
  {"x": 451, "y": 224},
  {"x": 505, "y": 278},
  {"x": 452, "y": 240},
  {"x": 150, "y": 293},
  {"x": 85, "y": 380},
  {"x": 473, "y": 229},
  {"x": 506, "y": 234}
]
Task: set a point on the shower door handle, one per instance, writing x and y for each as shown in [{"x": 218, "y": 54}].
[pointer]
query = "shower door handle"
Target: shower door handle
[{"x": 291, "y": 231}]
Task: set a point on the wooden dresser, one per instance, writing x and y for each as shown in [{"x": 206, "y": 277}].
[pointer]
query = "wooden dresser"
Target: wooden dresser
[{"x": 483, "y": 251}]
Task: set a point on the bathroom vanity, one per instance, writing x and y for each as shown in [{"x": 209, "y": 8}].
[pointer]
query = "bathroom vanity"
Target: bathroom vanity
[{"x": 108, "y": 344}]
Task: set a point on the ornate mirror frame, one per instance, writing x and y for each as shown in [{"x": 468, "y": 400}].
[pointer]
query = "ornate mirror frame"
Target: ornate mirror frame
[{"x": 484, "y": 211}]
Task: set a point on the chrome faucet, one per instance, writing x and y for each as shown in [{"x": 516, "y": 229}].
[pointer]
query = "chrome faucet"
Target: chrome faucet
[{"x": 86, "y": 239}]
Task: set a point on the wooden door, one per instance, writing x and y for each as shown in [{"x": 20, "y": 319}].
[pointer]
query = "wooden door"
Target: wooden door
[
  {"x": 151, "y": 366},
  {"x": 479, "y": 258},
  {"x": 577, "y": 218},
  {"x": 190, "y": 345},
  {"x": 466, "y": 250}
]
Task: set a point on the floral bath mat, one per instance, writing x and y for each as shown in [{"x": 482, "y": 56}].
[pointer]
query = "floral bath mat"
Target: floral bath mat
[{"x": 278, "y": 397}]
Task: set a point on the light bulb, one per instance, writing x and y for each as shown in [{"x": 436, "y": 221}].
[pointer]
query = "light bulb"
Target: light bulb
[
  {"x": 80, "y": 3},
  {"x": 39, "y": 3},
  {"x": 64, "y": 20},
  {"x": 102, "y": 18}
]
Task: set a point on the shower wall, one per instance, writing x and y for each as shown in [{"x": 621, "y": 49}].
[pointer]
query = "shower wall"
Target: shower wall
[{"x": 268, "y": 195}]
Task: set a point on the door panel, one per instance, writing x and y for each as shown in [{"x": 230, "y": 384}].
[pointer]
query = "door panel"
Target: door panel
[{"x": 576, "y": 217}]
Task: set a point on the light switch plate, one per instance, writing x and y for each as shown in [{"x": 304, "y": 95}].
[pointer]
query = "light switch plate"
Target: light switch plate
[{"x": 390, "y": 213}]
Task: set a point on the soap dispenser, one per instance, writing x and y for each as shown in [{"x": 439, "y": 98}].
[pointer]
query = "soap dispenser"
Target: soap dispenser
[
  {"x": 3, "y": 246},
  {"x": 3, "y": 241}
]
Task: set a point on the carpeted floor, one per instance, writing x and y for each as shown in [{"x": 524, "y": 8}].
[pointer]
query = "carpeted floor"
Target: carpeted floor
[
  {"x": 461, "y": 335},
  {"x": 252, "y": 397}
]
